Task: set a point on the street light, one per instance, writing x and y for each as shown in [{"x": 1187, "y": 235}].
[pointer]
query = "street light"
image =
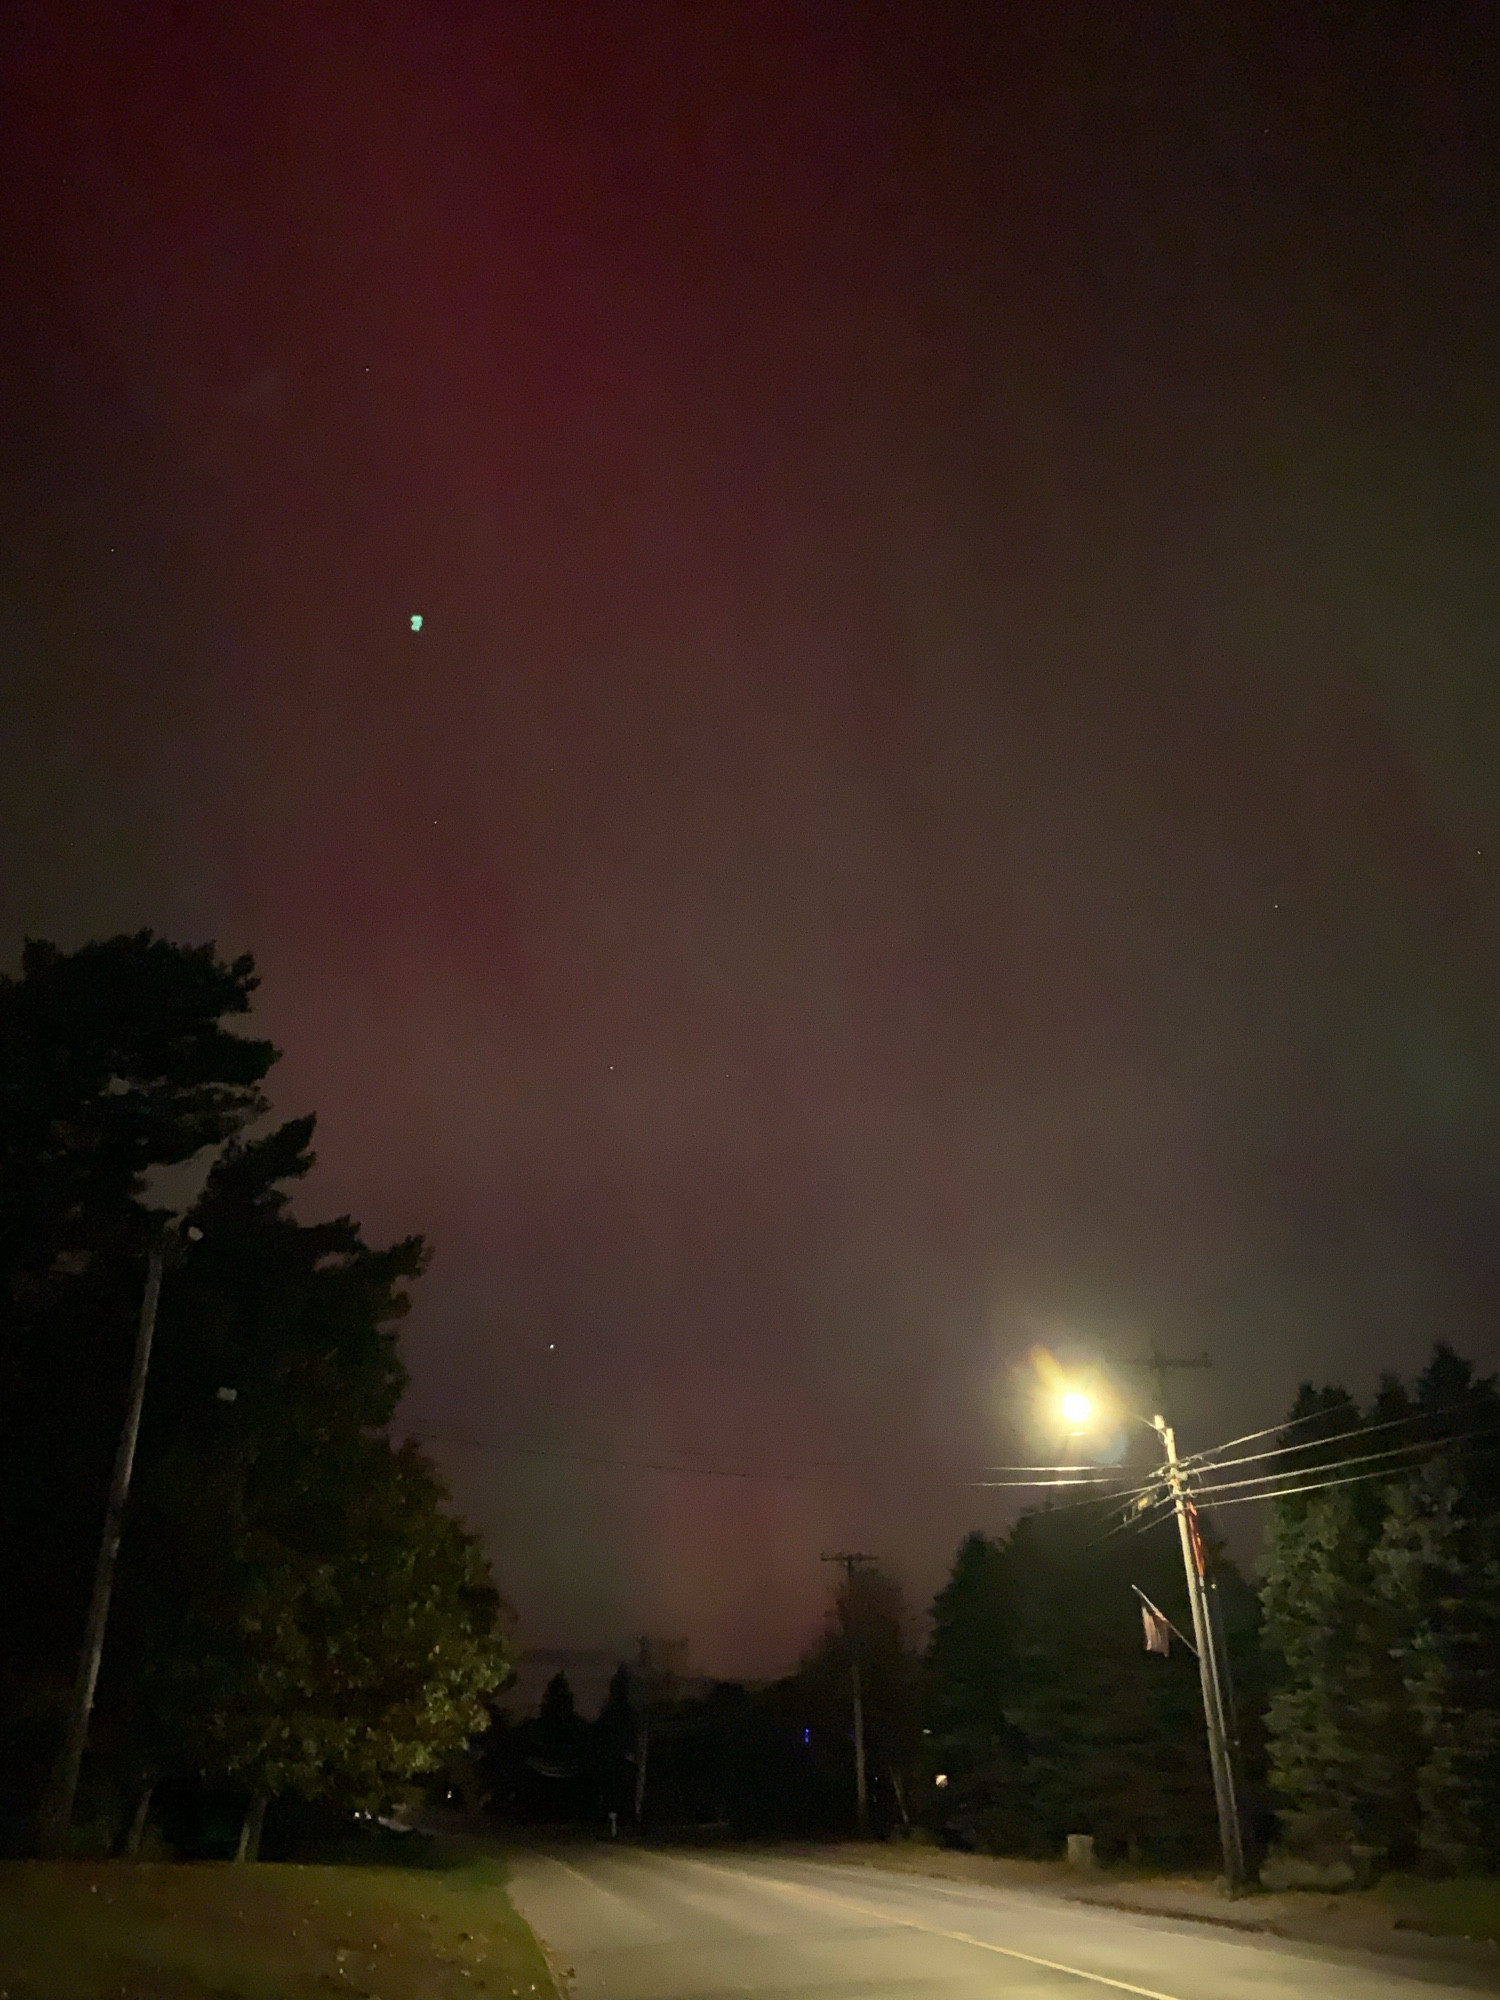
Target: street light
[
  {"x": 1081, "y": 1411},
  {"x": 1077, "y": 1408}
]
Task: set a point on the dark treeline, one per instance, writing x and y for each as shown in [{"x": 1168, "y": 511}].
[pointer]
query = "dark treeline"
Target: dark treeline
[
  {"x": 1049, "y": 1717},
  {"x": 669, "y": 1759},
  {"x": 298, "y": 1618},
  {"x": 1366, "y": 1670},
  {"x": 1382, "y": 1609},
  {"x": 296, "y": 1615},
  {"x": 1032, "y": 1713}
]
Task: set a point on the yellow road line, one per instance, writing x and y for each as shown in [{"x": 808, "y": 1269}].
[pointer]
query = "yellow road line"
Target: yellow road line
[{"x": 953, "y": 1937}]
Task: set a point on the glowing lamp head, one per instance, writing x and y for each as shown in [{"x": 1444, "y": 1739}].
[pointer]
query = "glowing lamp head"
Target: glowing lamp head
[{"x": 1077, "y": 1408}]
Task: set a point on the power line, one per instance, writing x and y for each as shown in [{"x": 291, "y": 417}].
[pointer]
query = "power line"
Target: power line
[
  {"x": 788, "y": 1470},
  {"x": 1098, "y": 1482},
  {"x": 1030, "y": 1483},
  {"x": 1104, "y": 1496},
  {"x": 1159, "y": 1512},
  {"x": 1360, "y": 1458},
  {"x": 508, "y": 1450},
  {"x": 1291, "y": 1492},
  {"x": 1148, "y": 1518},
  {"x": 1094, "y": 1471},
  {"x": 1273, "y": 1430},
  {"x": 1355, "y": 1433}
]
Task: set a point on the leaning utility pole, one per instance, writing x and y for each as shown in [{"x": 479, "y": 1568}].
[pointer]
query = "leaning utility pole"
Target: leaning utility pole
[
  {"x": 850, "y": 1562},
  {"x": 1212, "y": 1669},
  {"x": 57, "y": 1813}
]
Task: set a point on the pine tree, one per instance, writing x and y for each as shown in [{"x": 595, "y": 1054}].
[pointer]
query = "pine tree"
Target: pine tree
[
  {"x": 1382, "y": 1605},
  {"x": 1047, "y": 1715},
  {"x": 297, "y": 1610},
  {"x": 1438, "y": 1567},
  {"x": 115, "y": 1060},
  {"x": 1338, "y": 1723}
]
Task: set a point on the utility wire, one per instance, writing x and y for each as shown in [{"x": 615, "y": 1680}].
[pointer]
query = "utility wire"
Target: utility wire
[
  {"x": 1291, "y": 1492},
  {"x": 781, "y": 1470},
  {"x": 1385, "y": 1457},
  {"x": 1031, "y": 1478},
  {"x": 1275, "y": 1430},
  {"x": 1163, "y": 1511},
  {"x": 1103, "y": 1499},
  {"x": 990, "y": 1483},
  {"x": 506, "y": 1450},
  {"x": 1095, "y": 1471},
  {"x": 1143, "y": 1519},
  {"x": 1357, "y": 1433}
]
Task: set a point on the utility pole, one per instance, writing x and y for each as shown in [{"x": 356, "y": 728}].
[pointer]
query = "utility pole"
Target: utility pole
[
  {"x": 1159, "y": 1366},
  {"x": 850, "y": 1562},
  {"x": 57, "y": 1812},
  {"x": 1212, "y": 1669},
  {"x": 661, "y": 1664}
]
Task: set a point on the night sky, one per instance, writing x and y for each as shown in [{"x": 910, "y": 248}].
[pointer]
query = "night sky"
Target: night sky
[{"x": 946, "y": 793}]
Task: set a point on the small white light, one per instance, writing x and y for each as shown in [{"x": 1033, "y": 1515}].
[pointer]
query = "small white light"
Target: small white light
[{"x": 941, "y": 1780}]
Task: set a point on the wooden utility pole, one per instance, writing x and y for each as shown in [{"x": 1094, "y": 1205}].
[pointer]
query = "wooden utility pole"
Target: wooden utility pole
[
  {"x": 1213, "y": 1672},
  {"x": 1213, "y": 1666},
  {"x": 661, "y": 1664},
  {"x": 851, "y": 1561},
  {"x": 57, "y": 1813}
]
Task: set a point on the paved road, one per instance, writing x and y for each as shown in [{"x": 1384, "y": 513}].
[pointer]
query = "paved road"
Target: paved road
[{"x": 637, "y": 1925}]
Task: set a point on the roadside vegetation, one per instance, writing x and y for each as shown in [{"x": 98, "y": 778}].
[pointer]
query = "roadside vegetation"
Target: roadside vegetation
[
  {"x": 301, "y": 1627},
  {"x": 297, "y": 1615},
  {"x": 77, "y": 1930}
]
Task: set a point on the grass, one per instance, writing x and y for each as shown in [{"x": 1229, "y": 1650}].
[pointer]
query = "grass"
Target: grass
[
  {"x": 1468, "y": 1906},
  {"x": 77, "y": 1930}
]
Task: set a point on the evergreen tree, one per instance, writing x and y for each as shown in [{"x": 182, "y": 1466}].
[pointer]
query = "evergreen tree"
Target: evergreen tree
[
  {"x": 974, "y": 1745},
  {"x": 868, "y": 1621},
  {"x": 1339, "y": 1727},
  {"x": 115, "y": 1060},
  {"x": 1048, "y": 1716},
  {"x": 295, "y": 1609},
  {"x": 612, "y": 1752},
  {"x": 557, "y": 1719},
  {"x": 297, "y": 1612},
  {"x": 1382, "y": 1605},
  {"x": 1437, "y": 1567}
]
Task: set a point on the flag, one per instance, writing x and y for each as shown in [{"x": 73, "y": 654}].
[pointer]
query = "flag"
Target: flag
[{"x": 1158, "y": 1630}]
